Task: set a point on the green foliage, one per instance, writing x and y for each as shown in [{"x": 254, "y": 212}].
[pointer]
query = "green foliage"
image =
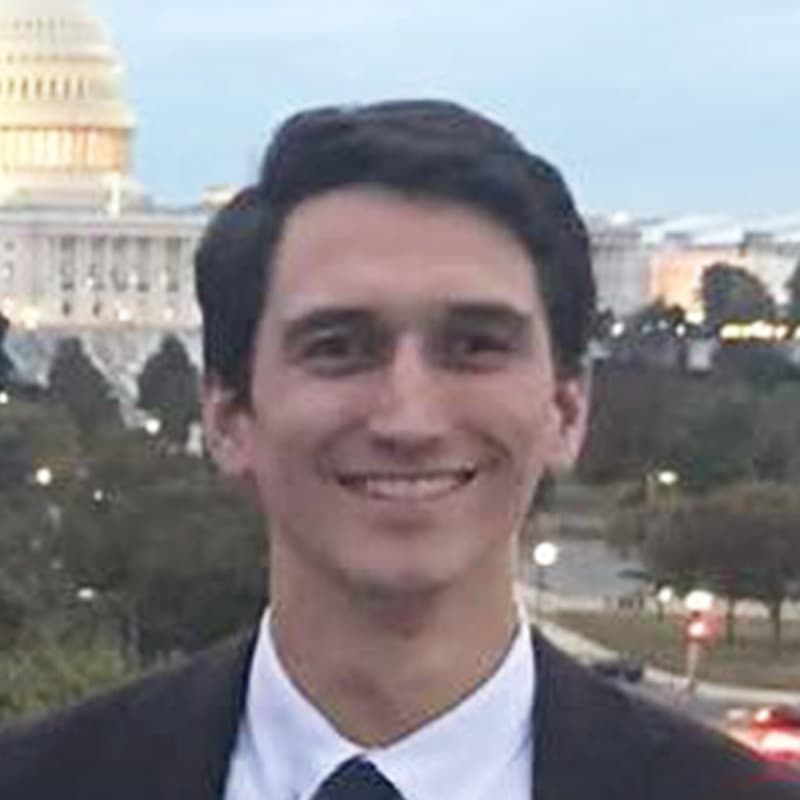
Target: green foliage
[
  {"x": 175, "y": 555},
  {"x": 49, "y": 673},
  {"x": 711, "y": 430},
  {"x": 134, "y": 553},
  {"x": 629, "y": 421},
  {"x": 760, "y": 365},
  {"x": 86, "y": 395},
  {"x": 742, "y": 542},
  {"x": 776, "y": 444},
  {"x": 711, "y": 442},
  {"x": 6, "y": 366},
  {"x": 34, "y": 435},
  {"x": 168, "y": 388},
  {"x": 732, "y": 294},
  {"x": 793, "y": 306}
]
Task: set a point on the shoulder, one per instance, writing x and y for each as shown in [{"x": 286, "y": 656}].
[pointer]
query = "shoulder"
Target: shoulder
[
  {"x": 591, "y": 734},
  {"x": 124, "y": 734}
]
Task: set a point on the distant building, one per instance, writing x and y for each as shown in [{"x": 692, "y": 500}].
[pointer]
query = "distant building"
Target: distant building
[
  {"x": 84, "y": 250},
  {"x": 680, "y": 249}
]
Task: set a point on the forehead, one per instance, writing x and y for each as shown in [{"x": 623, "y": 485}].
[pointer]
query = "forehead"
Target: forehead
[{"x": 365, "y": 246}]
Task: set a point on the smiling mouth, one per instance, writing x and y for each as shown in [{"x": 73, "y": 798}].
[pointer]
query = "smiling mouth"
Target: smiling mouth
[{"x": 428, "y": 485}]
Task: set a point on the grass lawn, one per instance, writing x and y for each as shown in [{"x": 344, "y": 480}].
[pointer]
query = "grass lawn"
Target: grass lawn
[{"x": 749, "y": 662}]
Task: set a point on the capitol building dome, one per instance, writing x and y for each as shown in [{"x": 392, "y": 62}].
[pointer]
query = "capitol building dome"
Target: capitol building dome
[{"x": 66, "y": 128}]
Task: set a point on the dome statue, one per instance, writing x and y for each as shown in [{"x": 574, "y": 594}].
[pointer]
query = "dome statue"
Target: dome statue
[{"x": 66, "y": 128}]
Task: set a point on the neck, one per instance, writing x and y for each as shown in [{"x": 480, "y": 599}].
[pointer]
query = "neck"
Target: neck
[{"x": 381, "y": 667}]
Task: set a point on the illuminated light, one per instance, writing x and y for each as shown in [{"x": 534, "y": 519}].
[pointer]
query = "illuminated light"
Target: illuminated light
[
  {"x": 695, "y": 317},
  {"x": 617, "y": 329},
  {"x": 698, "y": 629},
  {"x": 31, "y": 317},
  {"x": 667, "y": 477},
  {"x": 153, "y": 426},
  {"x": 124, "y": 315},
  {"x": 760, "y": 330},
  {"x": 665, "y": 595},
  {"x": 4, "y": 399},
  {"x": 763, "y": 715},
  {"x": 699, "y": 600},
  {"x": 98, "y": 496},
  {"x": 43, "y": 476},
  {"x": 9, "y": 307},
  {"x": 86, "y": 594},
  {"x": 681, "y": 330},
  {"x": 780, "y": 743},
  {"x": 545, "y": 554}
]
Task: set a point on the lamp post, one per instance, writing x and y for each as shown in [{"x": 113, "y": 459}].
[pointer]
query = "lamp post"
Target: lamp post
[
  {"x": 697, "y": 632},
  {"x": 545, "y": 554},
  {"x": 43, "y": 476},
  {"x": 664, "y": 597}
]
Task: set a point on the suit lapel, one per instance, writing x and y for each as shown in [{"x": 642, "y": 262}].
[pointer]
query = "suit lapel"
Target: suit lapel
[
  {"x": 584, "y": 744},
  {"x": 185, "y": 731}
]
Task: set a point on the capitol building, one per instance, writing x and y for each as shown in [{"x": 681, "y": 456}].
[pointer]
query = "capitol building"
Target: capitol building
[{"x": 86, "y": 251}]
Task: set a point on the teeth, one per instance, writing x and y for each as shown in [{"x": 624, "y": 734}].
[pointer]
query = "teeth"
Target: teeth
[{"x": 410, "y": 487}]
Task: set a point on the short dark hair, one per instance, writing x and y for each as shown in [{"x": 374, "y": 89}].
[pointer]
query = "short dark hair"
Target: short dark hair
[{"x": 421, "y": 148}]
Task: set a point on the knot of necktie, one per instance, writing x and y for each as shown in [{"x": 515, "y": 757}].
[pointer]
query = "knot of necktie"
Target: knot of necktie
[{"x": 357, "y": 779}]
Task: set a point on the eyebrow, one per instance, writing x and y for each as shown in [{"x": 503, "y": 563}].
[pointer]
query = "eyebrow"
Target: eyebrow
[
  {"x": 485, "y": 313},
  {"x": 470, "y": 313},
  {"x": 324, "y": 319}
]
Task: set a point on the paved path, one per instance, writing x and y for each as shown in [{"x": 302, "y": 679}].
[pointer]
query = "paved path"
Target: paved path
[{"x": 586, "y": 649}]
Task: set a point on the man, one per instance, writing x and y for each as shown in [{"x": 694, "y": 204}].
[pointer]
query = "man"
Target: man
[{"x": 395, "y": 324}]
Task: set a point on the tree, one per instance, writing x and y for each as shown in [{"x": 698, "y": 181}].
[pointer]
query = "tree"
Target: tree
[
  {"x": 742, "y": 541},
  {"x": 712, "y": 441},
  {"x": 171, "y": 554},
  {"x": 732, "y": 294},
  {"x": 793, "y": 305},
  {"x": 33, "y": 435},
  {"x": 168, "y": 389},
  {"x": 76, "y": 382},
  {"x": 6, "y": 365},
  {"x": 630, "y": 421}
]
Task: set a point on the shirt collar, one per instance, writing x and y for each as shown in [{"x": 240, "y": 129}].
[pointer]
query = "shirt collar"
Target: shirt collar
[{"x": 297, "y": 747}]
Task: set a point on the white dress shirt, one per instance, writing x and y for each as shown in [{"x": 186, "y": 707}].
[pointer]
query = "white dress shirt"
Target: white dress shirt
[{"x": 480, "y": 750}]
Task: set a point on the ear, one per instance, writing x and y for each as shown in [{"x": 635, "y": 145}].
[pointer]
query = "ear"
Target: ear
[
  {"x": 571, "y": 404},
  {"x": 226, "y": 428}
]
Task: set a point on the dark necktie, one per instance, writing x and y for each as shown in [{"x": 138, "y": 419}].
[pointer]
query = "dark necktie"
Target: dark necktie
[{"x": 357, "y": 779}]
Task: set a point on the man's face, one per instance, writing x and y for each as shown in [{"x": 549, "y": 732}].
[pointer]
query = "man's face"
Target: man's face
[{"x": 404, "y": 397}]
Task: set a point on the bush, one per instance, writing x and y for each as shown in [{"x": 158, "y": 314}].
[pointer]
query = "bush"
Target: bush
[{"x": 39, "y": 677}]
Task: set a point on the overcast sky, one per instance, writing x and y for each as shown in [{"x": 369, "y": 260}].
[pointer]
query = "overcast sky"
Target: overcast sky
[{"x": 648, "y": 107}]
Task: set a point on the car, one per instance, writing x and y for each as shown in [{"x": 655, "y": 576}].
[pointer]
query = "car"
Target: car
[
  {"x": 619, "y": 668},
  {"x": 773, "y": 732}
]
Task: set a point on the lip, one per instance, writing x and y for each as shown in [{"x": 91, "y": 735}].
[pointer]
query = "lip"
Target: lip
[{"x": 408, "y": 486}]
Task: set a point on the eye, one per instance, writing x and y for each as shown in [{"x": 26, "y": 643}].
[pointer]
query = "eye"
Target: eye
[
  {"x": 338, "y": 352},
  {"x": 330, "y": 346},
  {"x": 474, "y": 347}
]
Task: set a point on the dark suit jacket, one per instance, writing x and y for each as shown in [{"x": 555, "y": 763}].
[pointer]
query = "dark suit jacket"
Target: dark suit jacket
[{"x": 169, "y": 737}]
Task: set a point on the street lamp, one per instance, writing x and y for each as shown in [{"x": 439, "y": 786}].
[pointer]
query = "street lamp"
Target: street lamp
[
  {"x": 545, "y": 554},
  {"x": 43, "y": 476},
  {"x": 698, "y": 632},
  {"x": 699, "y": 601},
  {"x": 667, "y": 477},
  {"x": 664, "y": 596}
]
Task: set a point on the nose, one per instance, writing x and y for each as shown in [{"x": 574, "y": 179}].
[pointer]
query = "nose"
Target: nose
[{"x": 409, "y": 409}]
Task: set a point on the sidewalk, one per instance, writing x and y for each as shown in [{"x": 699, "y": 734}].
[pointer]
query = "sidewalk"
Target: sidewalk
[{"x": 585, "y": 649}]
